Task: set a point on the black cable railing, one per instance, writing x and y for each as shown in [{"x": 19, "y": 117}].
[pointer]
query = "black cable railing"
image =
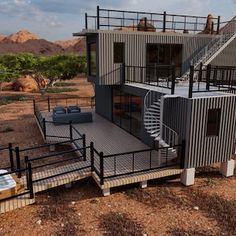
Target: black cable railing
[{"x": 148, "y": 21}]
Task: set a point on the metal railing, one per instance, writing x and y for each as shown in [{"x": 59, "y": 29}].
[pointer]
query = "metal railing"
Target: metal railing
[
  {"x": 211, "y": 79},
  {"x": 147, "y": 21},
  {"x": 129, "y": 163}
]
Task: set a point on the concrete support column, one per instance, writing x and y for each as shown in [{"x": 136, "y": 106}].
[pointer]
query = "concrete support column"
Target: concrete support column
[
  {"x": 52, "y": 148},
  {"x": 187, "y": 177},
  {"x": 143, "y": 184},
  {"x": 106, "y": 192},
  {"x": 227, "y": 168}
]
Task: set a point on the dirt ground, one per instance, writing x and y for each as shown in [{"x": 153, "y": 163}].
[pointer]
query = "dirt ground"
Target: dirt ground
[{"x": 164, "y": 208}]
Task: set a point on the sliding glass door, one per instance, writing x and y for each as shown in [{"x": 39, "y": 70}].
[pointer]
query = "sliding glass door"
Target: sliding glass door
[{"x": 127, "y": 112}]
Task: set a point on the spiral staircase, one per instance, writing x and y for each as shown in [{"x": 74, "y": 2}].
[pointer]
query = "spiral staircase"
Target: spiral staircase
[{"x": 161, "y": 133}]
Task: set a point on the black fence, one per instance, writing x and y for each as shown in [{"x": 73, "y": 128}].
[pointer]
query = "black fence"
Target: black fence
[
  {"x": 212, "y": 79},
  {"x": 128, "y": 163},
  {"x": 148, "y": 21}
]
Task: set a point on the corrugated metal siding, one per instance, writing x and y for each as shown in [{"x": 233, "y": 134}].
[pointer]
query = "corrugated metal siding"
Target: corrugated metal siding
[
  {"x": 135, "y": 49},
  {"x": 203, "y": 150},
  {"x": 227, "y": 57},
  {"x": 175, "y": 115}
]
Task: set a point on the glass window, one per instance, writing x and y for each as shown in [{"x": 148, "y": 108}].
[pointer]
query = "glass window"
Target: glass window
[
  {"x": 119, "y": 53},
  {"x": 92, "y": 56},
  {"x": 127, "y": 112},
  {"x": 213, "y": 122}
]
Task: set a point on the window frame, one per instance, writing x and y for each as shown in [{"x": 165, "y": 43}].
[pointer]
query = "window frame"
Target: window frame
[
  {"x": 216, "y": 123},
  {"x": 123, "y": 51}
]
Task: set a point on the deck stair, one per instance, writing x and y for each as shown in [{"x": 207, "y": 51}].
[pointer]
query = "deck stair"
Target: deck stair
[
  {"x": 214, "y": 47},
  {"x": 164, "y": 135}
]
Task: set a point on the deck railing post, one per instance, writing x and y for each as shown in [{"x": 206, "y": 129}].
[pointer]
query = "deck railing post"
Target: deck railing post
[
  {"x": 86, "y": 21},
  {"x": 190, "y": 92},
  {"x": 18, "y": 164},
  {"x": 92, "y": 155},
  {"x": 218, "y": 25},
  {"x": 101, "y": 156},
  {"x": 145, "y": 24},
  {"x": 44, "y": 129},
  {"x": 11, "y": 156},
  {"x": 122, "y": 73},
  {"x": 84, "y": 147},
  {"x": 182, "y": 161},
  {"x": 173, "y": 80},
  {"x": 34, "y": 107},
  {"x": 49, "y": 109},
  {"x": 208, "y": 77},
  {"x": 31, "y": 189},
  {"x": 164, "y": 21},
  {"x": 98, "y": 17},
  {"x": 27, "y": 173},
  {"x": 71, "y": 131}
]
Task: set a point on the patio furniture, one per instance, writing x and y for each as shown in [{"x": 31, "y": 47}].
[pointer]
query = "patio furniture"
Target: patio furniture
[{"x": 73, "y": 109}]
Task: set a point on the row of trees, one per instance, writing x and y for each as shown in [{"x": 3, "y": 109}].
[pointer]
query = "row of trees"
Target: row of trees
[{"x": 54, "y": 68}]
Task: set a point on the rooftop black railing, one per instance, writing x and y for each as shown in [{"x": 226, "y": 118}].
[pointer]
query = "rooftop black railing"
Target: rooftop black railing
[{"x": 148, "y": 21}]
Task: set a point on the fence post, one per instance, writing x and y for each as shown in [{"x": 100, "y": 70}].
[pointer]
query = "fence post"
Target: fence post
[
  {"x": 31, "y": 189},
  {"x": 98, "y": 18},
  {"x": 190, "y": 91},
  {"x": 34, "y": 107},
  {"x": 71, "y": 131},
  {"x": 173, "y": 80},
  {"x": 208, "y": 76},
  {"x": 49, "y": 104},
  {"x": 101, "y": 156},
  {"x": 164, "y": 21},
  {"x": 92, "y": 155},
  {"x": 182, "y": 161},
  {"x": 84, "y": 147},
  {"x": 86, "y": 21},
  {"x": 11, "y": 156},
  {"x": 18, "y": 165},
  {"x": 44, "y": 129},
  {"x": 218, "y": 25}
]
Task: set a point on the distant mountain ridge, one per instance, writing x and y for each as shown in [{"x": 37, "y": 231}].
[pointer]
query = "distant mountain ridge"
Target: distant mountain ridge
[{"x": 25, "y": 41}]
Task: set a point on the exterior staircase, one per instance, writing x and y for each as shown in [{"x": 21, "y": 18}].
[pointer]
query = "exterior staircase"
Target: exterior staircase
[
  {"x": 161, "y": 133},
  {"x": 214, "y": 47}
]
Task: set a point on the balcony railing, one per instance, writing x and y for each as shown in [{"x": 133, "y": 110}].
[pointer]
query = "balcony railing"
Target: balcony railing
[{"x": 147, "y": 21}]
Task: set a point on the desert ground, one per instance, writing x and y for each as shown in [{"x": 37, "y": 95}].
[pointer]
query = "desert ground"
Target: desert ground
[{"x": 165, "y": 207}]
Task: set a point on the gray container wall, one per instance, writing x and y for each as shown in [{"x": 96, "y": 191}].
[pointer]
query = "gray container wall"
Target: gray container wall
[
  {"x": 203, "y": 150},
  {"x": 135, "y": 49},
  {"x": 227, "y": 57}
]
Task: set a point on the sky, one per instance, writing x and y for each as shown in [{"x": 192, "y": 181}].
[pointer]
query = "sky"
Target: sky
[{"x": 58, "y": 19}]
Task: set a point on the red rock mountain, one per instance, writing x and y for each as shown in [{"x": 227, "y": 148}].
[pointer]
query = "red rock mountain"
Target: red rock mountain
[{"x": 25, "y": 41}]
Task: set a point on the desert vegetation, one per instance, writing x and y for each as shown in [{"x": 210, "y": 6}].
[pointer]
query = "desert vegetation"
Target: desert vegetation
[{"x": 45, "y": 71}]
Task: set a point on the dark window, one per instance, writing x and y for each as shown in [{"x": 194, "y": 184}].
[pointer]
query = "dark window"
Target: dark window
[
  {"x": 127, "y": 112},
  {"x": 213, "y": 122},
  {"x": 92, "y": 56},
  {"x": 119, "y": 53}
]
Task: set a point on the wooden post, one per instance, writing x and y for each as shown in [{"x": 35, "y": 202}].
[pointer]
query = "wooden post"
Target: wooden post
[
  {"x": 18, "y": 165},
  {"x": 101, "y": 168},
  {"x": 84, "y": 147},
  {"x": 218, "y": 25},
  {"x": 92, "y": 155},
  {"x": 98, "y": 18},
  {"x": 164, "y": 21},
  {"x": 190, "y": 92},
  {"x": 11, "y": 156},
  {"x": 86, "y": 21}
]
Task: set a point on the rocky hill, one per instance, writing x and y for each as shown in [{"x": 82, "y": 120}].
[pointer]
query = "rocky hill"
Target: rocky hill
[{"x": 25, "y": 41}]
